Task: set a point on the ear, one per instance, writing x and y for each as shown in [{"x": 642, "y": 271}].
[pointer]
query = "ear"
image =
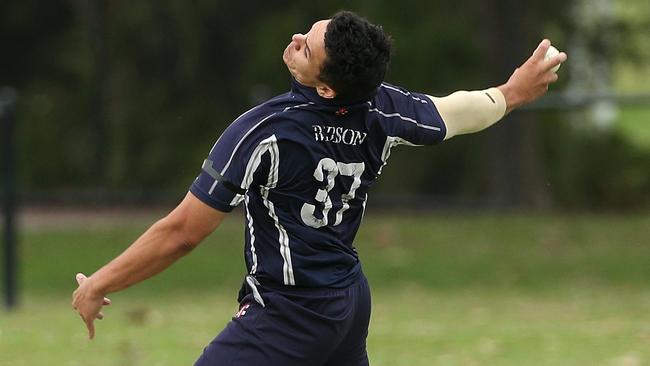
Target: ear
[{"x": 325, "y": 91}]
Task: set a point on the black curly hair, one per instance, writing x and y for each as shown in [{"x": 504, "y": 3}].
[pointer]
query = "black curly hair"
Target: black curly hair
[{"x": 357, "y": 56}]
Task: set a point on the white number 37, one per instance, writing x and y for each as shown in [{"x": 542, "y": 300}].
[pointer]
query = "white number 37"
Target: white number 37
[{"x": 326, "y": 171}]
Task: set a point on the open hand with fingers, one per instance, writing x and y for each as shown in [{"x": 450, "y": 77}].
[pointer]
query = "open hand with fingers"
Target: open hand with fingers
[
  {"x": 88, "y": 302},
  {"x": 530, "y": 80}
]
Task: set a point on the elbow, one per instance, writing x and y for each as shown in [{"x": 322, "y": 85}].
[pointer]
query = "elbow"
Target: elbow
[
  {"x": 182, "y": 239},
  {"x": 185, "y": 247},
  {"x": 189, "y": 223},
  {"x": 188, "y": 241}
]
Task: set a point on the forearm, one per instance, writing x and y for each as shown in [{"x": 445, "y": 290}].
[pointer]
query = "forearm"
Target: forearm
[
  {"x": 470, "y": 111},
  {"x": 160, "y": 246},
  {"x": 165, "y": 242},
  {"x": 466, "y": 112}
]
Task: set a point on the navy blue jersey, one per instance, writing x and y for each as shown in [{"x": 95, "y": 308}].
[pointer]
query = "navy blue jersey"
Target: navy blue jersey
[{"x": 302, "y": 165}]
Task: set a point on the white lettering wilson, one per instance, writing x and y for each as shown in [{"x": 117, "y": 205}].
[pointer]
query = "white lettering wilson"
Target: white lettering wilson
[{"x": 338, "y": 135}]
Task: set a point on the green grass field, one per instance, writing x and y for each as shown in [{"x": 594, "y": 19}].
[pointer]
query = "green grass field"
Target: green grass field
[{"x": 448, "y": 290}]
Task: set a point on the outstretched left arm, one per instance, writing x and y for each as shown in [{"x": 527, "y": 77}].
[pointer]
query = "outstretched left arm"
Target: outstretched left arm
[{"x": 471, "y": 111}]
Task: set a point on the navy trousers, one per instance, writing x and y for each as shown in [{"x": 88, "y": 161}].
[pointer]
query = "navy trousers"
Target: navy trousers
[{"x": 295, "y": 327}]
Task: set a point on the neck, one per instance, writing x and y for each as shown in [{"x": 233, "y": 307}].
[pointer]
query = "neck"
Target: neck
[{"x": 312, "y": 95}]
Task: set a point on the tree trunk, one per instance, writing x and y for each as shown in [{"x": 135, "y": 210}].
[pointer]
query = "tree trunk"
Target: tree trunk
[{"x": 516, "y": 171}]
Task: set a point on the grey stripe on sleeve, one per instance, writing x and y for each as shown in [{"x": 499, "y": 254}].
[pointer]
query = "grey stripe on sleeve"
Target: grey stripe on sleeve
[{"x": 207, "y": 167}]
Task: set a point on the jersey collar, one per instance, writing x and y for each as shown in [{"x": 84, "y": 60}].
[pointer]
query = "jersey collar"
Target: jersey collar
[{"x": 311, "y": 95}]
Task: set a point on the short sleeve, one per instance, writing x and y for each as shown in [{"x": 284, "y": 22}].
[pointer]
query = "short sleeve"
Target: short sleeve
[
  {"x": 408, "y": 116},
  {"x": 236, "y": 162}
]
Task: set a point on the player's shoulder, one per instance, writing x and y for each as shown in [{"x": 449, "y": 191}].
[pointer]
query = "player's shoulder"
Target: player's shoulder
[
  {"x": 263, "y": 111},
  {"x": 266, "y": 119},
  {"x": 390, "y": 94}
]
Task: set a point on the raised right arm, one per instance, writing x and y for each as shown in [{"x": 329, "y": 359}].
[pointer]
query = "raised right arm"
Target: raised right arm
[{"x": 161, "y": 245}]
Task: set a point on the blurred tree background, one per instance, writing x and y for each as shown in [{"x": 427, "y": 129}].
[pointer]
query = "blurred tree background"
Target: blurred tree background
[{"x": 122, "y": 100}]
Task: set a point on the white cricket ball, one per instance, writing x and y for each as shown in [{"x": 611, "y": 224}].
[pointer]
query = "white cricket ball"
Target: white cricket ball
[{"x": 552, "y": 52}]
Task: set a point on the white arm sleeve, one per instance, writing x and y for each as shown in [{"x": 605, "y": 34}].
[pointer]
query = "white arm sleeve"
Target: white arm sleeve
[{"x": 470, "y": 111}]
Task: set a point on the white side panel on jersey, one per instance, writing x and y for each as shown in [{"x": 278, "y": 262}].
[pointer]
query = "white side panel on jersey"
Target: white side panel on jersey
[
  {"x": 256, "y": 159},
  {"x": 251, "y": 167},
  {"x": 285, "y": 251},
  {"x": 392, "y": 141},
  {"x": 237, "y": 199},
  {"x": 270, "y": 145},
  {"x": 251, "y": 231}
]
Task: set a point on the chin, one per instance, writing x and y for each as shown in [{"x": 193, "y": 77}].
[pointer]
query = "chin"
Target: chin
[
  {"x": 285, "y": 54},
  {"x": 293, "y": 72}
]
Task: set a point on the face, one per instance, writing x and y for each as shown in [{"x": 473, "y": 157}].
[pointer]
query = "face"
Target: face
[{"x": 305, "y": 55}]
